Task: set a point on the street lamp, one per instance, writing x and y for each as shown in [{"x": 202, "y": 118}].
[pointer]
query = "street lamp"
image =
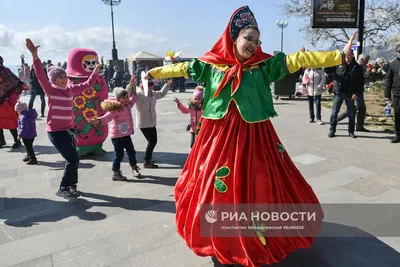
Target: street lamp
[
  {"x": 112, "y": 3},
  {"x": 22, "y": 56},
  {"x": 281, "y": 24}
]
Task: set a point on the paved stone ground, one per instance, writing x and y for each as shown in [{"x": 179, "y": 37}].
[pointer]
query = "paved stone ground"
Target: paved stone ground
[{"x": 132, "y": 223}]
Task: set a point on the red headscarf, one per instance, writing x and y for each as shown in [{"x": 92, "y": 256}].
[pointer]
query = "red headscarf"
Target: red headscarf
[{"x": 223, "y": 52}]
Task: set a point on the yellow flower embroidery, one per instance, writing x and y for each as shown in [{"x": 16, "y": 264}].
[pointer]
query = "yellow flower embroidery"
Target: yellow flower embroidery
[
  {"x": 89, "y": 93},
  {"x": 79, "y": 102},
  {"x": 89, "y": 113}
]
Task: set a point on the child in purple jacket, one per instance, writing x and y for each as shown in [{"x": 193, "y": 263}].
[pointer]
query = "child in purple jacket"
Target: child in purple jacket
[
  {"x": 121, "y": 127},
  {"x": 27, "y": 130}
]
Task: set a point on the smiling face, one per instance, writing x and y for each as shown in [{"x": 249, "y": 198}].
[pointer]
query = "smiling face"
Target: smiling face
[
  {"x": 247, "y": 43},
  {"x": 62, "y": 81},
  {"x": 89, "y": 63}
]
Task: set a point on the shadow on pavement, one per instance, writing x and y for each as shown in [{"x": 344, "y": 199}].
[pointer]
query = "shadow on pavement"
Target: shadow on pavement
[
  {"x": 151, "y": 179},
  {"x": 60, "y": 165},
  {"x": 26, "y": 212},
  {"x": 176, "y": 159},
  {"x": 365, "y": 250}
]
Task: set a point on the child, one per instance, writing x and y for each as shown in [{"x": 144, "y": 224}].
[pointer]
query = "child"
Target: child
[
  {"x": 241, "y": 159},
  {"x": 27, "y": 130},
  {"x": 195, "y": 110},
  {"x": 119, "y": 114},
  {"x": 60, "y": 117},
  {"x": 146, "y": 118}
]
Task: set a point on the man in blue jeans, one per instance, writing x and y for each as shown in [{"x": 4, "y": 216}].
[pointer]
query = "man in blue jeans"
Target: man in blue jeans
[
  {"x": 360, "y": 107},
  {"x": 348, "y": 84}
]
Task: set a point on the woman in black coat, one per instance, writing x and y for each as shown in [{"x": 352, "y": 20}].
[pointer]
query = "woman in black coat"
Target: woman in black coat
[{"x": 36, "y": 89}]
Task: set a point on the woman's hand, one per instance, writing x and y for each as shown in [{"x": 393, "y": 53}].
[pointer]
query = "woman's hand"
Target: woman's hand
[
  {"x": 32, "y": 48},
  {"x": 169, "y": 83}
]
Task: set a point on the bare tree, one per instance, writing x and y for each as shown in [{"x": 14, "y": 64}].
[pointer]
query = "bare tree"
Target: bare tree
[{"x": 382, "y": 23}]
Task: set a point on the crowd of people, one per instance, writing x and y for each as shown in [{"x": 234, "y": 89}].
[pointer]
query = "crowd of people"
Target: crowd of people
[
  {"x": 348, "y": 82},
  {"x": 236, "y": 156}
]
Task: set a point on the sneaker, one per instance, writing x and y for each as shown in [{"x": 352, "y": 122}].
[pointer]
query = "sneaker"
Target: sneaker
[
  {"x": 331, "y": 135},
  {"x": 148, "y": 164},
  {"x": 311, "y": 121},
  {"x": 74, "y": 188},
  {"x": 320, "y": 122},
  {"x": 352, "y": 135},
  {"x": 135, "y": 171},
  {"x": 2, "y": 144},
  {"x": 117, "y": 176},
  {"x": 16, "y": 145},
  {"x": 25, "y": 159},
  {"x": 68, "y": 193},
  {"x": 32, "y": 161}
]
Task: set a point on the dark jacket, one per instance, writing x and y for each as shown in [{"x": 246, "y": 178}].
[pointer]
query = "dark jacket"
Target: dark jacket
[
  {"x": 355, "y": 79},
  {"x": 392, "y": 84},
  {"x": 35, "y": 86},
  {"x": 27, "y": 124}
]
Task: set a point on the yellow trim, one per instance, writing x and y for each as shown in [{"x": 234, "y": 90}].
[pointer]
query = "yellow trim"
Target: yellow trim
[
  {"x": 222, "y": 177},
  {"x": 299, "y": 60},
  {"x": 171, "y": 71},
  {"x": 226, "y": 112},
  {"x": 223, "y": 68}
]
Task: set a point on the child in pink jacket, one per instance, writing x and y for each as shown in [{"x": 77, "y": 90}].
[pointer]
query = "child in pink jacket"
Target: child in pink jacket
[
  {"x": 121, "y": 127},
  {"x": 194, "y": 109}
]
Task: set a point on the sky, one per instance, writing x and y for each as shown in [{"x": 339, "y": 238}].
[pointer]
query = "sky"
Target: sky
[{"x": 192, "y": 26}]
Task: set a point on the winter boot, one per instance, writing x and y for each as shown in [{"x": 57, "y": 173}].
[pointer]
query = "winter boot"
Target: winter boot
[
  {"x": 148, "y": 164},
  {"x": 117, "y": 176},
  {"x": 32, "y": 161}
]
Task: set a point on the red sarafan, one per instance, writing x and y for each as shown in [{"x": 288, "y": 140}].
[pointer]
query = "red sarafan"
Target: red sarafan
[{"x": 237, "y": 157}]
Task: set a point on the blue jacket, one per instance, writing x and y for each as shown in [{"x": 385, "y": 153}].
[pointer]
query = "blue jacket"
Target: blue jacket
[{"x": 27, "y": 124}]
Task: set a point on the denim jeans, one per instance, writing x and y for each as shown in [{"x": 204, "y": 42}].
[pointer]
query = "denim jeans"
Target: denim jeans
[
  {"x": 119, "y": 145},
  {"x": 337, "y": 104},
  {"x": 360, "y": 110},
  {"x": 64, "y": 141},
  {"x": 42, "y": 99},
  {"x": 311, "y": 106}
]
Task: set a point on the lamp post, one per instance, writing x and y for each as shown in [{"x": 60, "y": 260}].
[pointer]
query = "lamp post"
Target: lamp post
[
  {"x": 22, "y": 56},
  {"x": 112, "y": 3},
  {"x": 281, "y": 24}
]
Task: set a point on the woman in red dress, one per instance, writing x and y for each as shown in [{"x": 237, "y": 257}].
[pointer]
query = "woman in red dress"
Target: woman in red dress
[
  {"x": 10, "y": 89},
  {"x": 238, "y": 158}
]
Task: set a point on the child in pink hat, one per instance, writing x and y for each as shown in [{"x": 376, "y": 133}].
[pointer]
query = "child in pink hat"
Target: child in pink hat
[{"x": 194, "y": 109}]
